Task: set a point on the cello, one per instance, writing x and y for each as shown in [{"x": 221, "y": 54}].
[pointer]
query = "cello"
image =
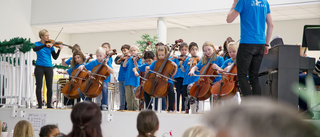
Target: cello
[
  {"x": 156, "y": 86},
  {"x": 70, "y": 90},
  {"x": 93, "y": 85},
  {"x": 227, "y": 86},
  {"x": 201, "y": 88},
  {"x": 143, "y": 76}
]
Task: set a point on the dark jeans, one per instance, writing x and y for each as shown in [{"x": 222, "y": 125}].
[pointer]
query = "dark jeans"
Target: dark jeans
[
  {"x": 179, "y": 91},
  {"x": 39, "y": 71},
  {"x": 249, "y": 58}
]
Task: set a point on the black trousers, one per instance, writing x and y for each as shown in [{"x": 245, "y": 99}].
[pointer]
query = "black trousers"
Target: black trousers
[
  {"x": 179, "y": 91},
  {"x": 39, "y": 71},
  {"x": 249, "y": 59}
]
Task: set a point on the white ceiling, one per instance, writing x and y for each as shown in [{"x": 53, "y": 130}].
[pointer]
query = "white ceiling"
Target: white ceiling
[{"x": 185, "y": 21}]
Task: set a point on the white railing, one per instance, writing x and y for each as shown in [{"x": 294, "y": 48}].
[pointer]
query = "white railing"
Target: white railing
[{"x": 16, "y": 82}]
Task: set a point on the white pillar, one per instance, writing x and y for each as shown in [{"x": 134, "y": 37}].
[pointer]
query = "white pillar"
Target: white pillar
[{"x": 162, "y": 30}]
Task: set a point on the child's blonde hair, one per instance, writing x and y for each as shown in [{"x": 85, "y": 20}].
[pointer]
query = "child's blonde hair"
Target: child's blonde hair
[
  {"x": 232, "y": 45},
  {"x": 199, "y": 131},
  {"x": 101, "y": 50},
  {"x": 162, "y": 48},
  {"x": 42, "y": 32},
  {"x": 23, "y": 129},
  {"x": 205, "y": 58},
  {"x": 133, "y": 47}
]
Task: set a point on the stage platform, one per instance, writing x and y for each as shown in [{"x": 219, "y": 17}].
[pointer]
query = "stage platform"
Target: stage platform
[{"x": 122, "y": 123}]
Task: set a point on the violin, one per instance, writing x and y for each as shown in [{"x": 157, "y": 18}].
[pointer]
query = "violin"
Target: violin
[
  {"x": 92, "y": 86},
  {"x": 70, "y": 90},
  {"x": 201, "y": 88},
  {"x": 156, "y": 86},
  {"x": 227, "y": 86},
  {"x": 193, "y": 61},
  {"x": 57, "y": 43}
]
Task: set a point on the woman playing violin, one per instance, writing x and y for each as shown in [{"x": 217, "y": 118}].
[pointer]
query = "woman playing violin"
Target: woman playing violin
[{"x": 44, "y": 66}]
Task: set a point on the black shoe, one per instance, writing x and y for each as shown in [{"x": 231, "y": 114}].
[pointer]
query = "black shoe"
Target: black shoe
[
  {"x": 39, "y": 107},
  {"x": 50, "y": 107}
]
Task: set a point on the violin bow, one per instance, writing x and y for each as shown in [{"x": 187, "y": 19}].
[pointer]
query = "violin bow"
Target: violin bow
[
  {"x": 162, "y": 75},
  {"x": 58, "y": 34}
]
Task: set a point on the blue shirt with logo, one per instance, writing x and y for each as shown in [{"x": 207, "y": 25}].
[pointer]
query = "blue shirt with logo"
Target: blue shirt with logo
[
  {"x": 92, "y": 64},
  {"x": 253, "y": 15},
  {"x": 188, "y": 79}
]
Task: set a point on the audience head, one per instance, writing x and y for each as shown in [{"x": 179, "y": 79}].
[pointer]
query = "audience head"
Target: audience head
[
  {"x": 86, "y": 120},
  {"x": 199, "y": 131},
  {"x": 259, "y": 117},
  {"x": 49, "y": 131},
  {"x": 23, "y": 129},
  {"x": 147, "y": 123}
]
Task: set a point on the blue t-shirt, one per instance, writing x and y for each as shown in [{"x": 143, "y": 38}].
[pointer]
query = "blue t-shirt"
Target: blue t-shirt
[
  {"x": 179, "y": 73},
  {"x": 188, "y": 79},
  {"x": 92, "y": 64},
  {"x": 68, "y": 62},
  {"x": 152, "y": 68},
  {"x": 253, "y": 15},
  {"x": 122, "y": 73},
  {"x": 227, "y": 63},
  {"x": 44, "y": 55},
  {"x": 75, "y": 67},
  {"x": 142, "y": 68},
  {"x": 131, "y": 79},
  {"x": 219, "y": 61}
]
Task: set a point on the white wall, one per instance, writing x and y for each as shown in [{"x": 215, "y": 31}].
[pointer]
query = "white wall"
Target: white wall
[
  {"x": 291, "y": 32},
  {"x": 83, "y": 11},
  {"x": 15, "y": 19},
  {"x": 123, "y": 124}
]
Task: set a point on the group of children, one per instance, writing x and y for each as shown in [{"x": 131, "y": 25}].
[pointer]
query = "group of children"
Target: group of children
[{"x": 186, "y": 66}]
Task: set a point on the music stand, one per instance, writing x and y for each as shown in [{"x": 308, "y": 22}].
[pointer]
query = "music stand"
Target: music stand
[{"x": 311, "y": 35}]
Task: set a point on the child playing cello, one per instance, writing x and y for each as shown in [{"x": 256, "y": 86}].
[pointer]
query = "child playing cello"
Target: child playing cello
[
  {"x": 101, "y": 55},
  {"x": 161, "y": 54},
  {"x": 232, "y": 50}
]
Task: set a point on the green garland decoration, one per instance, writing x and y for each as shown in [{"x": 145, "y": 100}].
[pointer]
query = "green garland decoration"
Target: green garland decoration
[
  {"x": 54, "y": 66},
  {"x": 9, "y": 47}
]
